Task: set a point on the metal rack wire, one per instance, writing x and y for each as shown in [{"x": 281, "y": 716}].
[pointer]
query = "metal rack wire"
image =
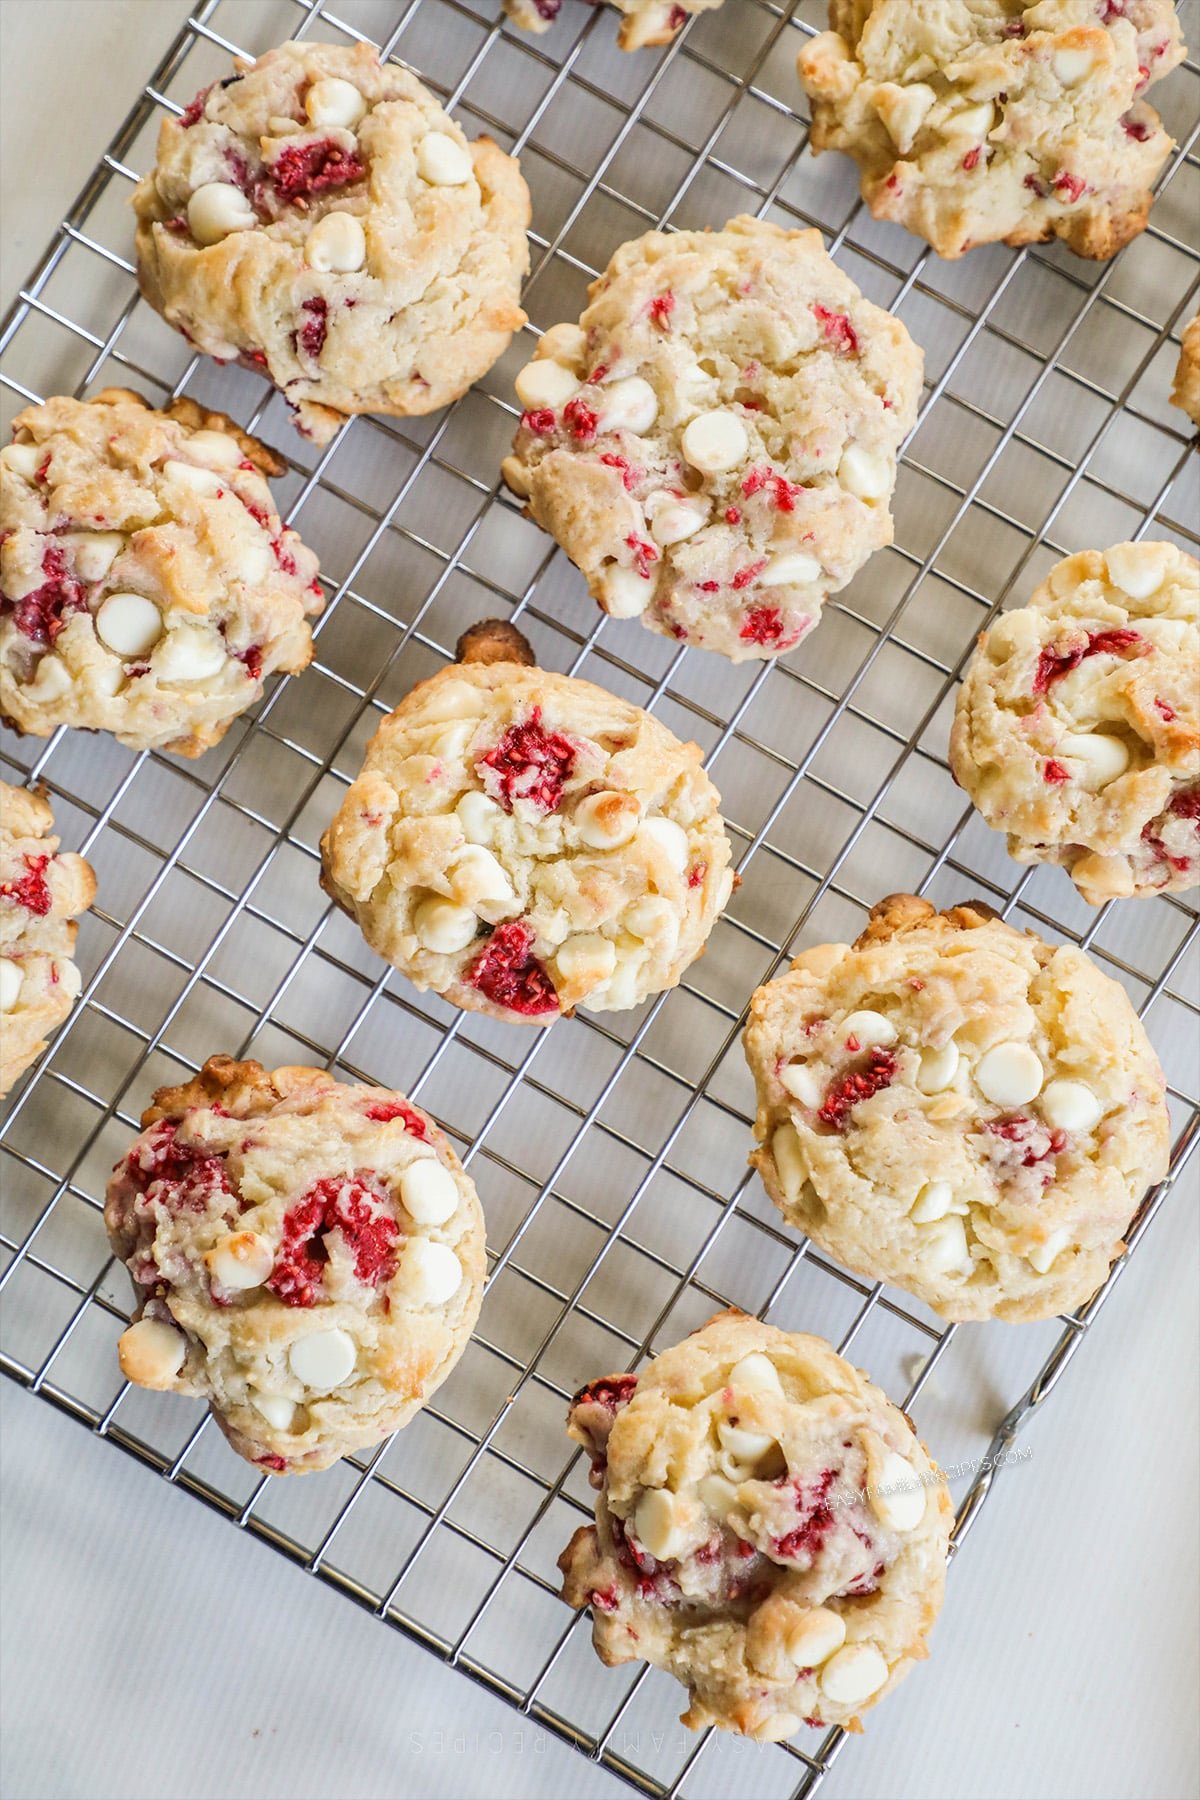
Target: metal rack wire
[{"x": 620, "y": 1212}]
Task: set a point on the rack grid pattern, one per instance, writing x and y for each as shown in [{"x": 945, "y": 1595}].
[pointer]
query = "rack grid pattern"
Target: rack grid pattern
[{"x": 610, "y": 1152}]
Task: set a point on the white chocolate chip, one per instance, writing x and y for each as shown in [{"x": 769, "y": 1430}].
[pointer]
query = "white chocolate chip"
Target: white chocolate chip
[
  {"x": 22, "y": 459},
  {"x": 625, "y": 593},
  {"x": 189, "y": 653},
  {"x": 670, "y": 838},
  {"x": 52, "y": 680},
  {"x": 323, "y": 1359},
  {"x": 1137, "y": 569},
  {"x": 429, "y": 1274},
  {"x": 452, "y": 740},
  {"x": 819, "y": 1633},
  {"x": 589, "y": 956},
  {"x": 276, "y": 1409},
  {"x": 903, "y": 110},
  {"x": 755, "y": 1371},
  {"x": 217, "y": 209},
  {"x": 151, "y": 1353},
  {"x": 672, "y": 520},
  {"x": 252, "y": 563},
  {"x": 715, "y": 441},
  {"x": 10, "y": 984},
  {"x": 864, "y": 475},
  {"x": 1070, "y": 1106},
  {"x": 193, "y": 475},
  {"x": 789, "y": 1162},
  {"x": 94, "y": 552},
  {"x": 820, "y": 959},
  {"x": 332, "y": 101},
  {"x": 479, "y": 816},
  {"x": 129, "y": 624},
  {"x": 660, "y": 1524},
  {"x": 278, "y": 126},
  {"x": 1103, "y": 757},
  {"x": 336, "y": 244},
  {"x": 897, "y": 1496},
  {"x": 544, "y": 382},
  {"x": 216, "y": 447},
  {"x": 566, "y": 343},
  {"x": 607, "y": 820},
  {"x": 478, "y": 878},
  {"x": 444, "y": 927},
  {"x": 1047, "y": 1254},
  {"x": 1072, "y": 66},
  {"x": 971, "y": 121},
  {"x": 937, "y": 1068},
  {"x": 943, "y": 1246},
  {"x": 791, "y": 568},
  {"x": 442, "y": 161},
  {"x": 429, "y": 1192},
  {"x": 934, "y": 1201},
  {"x": 853, "y": 1674},
  {"x": 652, "y": 917},
  {"x": 693, "y": 388},
  {"x": 718, "y": 1495},
  {"x": 1009, "y": 1075},
  {"x": 629, "y": 405},
  {"x": 746, "y": 1447},
  {"x": 241, "y": 1260},
  {"x": 867, "y": 1029},
  {"x": 802, "y": 1084},
  {"x": 778, "y": 1728}
]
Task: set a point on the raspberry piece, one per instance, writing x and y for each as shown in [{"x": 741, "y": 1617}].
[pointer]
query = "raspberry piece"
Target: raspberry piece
[
  {"x": 31, "y": 890},
  {"x": 271, "y": 1461},
  {"x": 1137, "y": 129},
  {"x": 662, "y": 305},
  {"x": 602, "y": 1599},
  {"x": 180, "y": 1177},
  {"x": 354, "y": 1206},
  {"x": 383, "y": 1111},
  {"x": 839, "y": 332},
  {"x": 528, "y": 764},
  {"x": 41, "y": 615},
  {"x": 762, "y": 626},
  {"x": 1054, "y": 664},
  {"x": 1054, "y": 772},
  {"x": 251, "y": 660},
  {"x": 858, "y": 1084},
  {"x": 678, "y": 16},
  {"x": 508, "y": 974},
  {"x": 547, "y": 9},
  {"x": 696, "y": 874},
  {"x": 1035, "y": 185},
  {"x": 733, "y": 515},
  {"x": 644, "y": 554},
  {"x": 1184, "y": 805},
  {"x": 804, "y": 1543},
  {"x": 1032, "y": 1142},
  {"x": 629, "y": 475},
  {"x": 1015, "y": 28},
  {"x": 313, "y": 168},
  {"x": 749, "y": 574},
  {"x": 610, "y": 1391},
  {"x": 191, "y": 113},
  {"x": 1168, "y": 712},
  {"x": 311, "y": 336},
  {"x": 1070, "y": 186},
  {"x": 542, "y": 422},
  {"x": 580, "y": 419},
  {"x": 971, "y": 159},
  {"x": 783, "y": 491}
]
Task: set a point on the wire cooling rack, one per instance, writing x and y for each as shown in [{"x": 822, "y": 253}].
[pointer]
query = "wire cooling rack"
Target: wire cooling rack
[{"x": 609, "y": 1152}]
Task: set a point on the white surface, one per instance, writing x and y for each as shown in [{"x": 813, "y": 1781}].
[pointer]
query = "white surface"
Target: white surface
[{"x": 150, "y": 1649}]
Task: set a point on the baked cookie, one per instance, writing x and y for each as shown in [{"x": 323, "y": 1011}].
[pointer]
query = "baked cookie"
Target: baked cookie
[
  {"x": 957, "y": 1107},
  {"x": 42, "y": 892},
  {"x": 768, "y": 1528},
  {"x": 525, "y": 843},
  {"x": 147, "y": 586},
  {"x": 1186, "y": 392},
  {"x": 972, "y": 123},
  {"x": 714, "y": 444},
  {"x": 306, "y": 1255},
  {"x": 1077, "y": 729},
  {"x": 319, "y": 217},
  {"x": 643, "y": 22}
]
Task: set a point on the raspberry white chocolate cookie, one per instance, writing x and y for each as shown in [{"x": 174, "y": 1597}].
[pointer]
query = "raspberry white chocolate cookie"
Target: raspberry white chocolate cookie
[
  {"x": 957, "y": 1107},
  {"x": 42, "y": 892},
  {"x": 320, "y": 218},
  {"x": 306, "y": 1255},
  {"x": 973, "y": 123},
  {"x": 147, "y": 585},
  {"x": 768, "y": 1528},
  {"x": 1185, "y": 394},
  {"x": 643, "y": 22},
  {"x": 1077, "y": 729},
  {"x": 525, "y": 843},
  {"x": 714, "y": 444}
]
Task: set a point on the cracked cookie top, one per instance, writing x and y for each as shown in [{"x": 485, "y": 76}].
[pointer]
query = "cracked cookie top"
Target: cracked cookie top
[{"x": 643, "y": 22}]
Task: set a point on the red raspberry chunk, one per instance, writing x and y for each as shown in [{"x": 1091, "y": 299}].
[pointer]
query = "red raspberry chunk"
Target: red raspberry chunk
[
  {"x": 542, "y": 422},
  {"x": 41, "y": 615},
  {"x": 1186, "y": 804},
  {"x": 383, "y": 1111},
  {"x": 971, "y": 159},
  {"x": 762, "y": 626},
  {"x": 507, "y": 973},
  {"x": 750, "y": 573},
  {"x": 629, "y": 475},
  {"x": 180, "y": 1177},
  {"x": 530, "y": 764},
  {"x": 1071, "y": 187},
  {"x": 838, "y": 330},
  {"x": 31, "y": 890},
  {"x": 580, "y": 419},
  {"x": 857, "y": 1085},
  {"x": 1054, "y": 664},
  {"x": 192, "y": 111},
  {"x": 1031, "y": 1141},
  {"x": 312, "y": 332},
  {"x": 1054, "y": 772},
  {"x": 1137, "y": 129},
  {"x": 610, "y": 1391},
  {"x": 312, "y": 168},
  {"x": 662, "y": 306},
  {"x": 803, "y": 1544},
  {"x": 355, "y": 1206}
]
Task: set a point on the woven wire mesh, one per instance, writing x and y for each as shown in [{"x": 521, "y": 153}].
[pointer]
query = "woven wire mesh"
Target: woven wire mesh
[{"x": 610, "y": 1152}]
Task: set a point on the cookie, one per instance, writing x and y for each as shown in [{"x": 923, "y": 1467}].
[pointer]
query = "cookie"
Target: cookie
[
  {"x": 307, "y": 1256},
  {"x": 643, "y": 22},
  {"x": 972, "y": 124},
  {"x": 1185, "y": 394},
  {"x": 524, "y": 843},
  {"x": 318, "y": 217},
  {"x": 1077, "y": 729},
  {"x": 714, "y": 444},
  {"x": 42, "y": 892},
  {"x": 768, "y": 1528},
  {"x": 958, "y": 1108},
  {"x": 147, "y": 586}
]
